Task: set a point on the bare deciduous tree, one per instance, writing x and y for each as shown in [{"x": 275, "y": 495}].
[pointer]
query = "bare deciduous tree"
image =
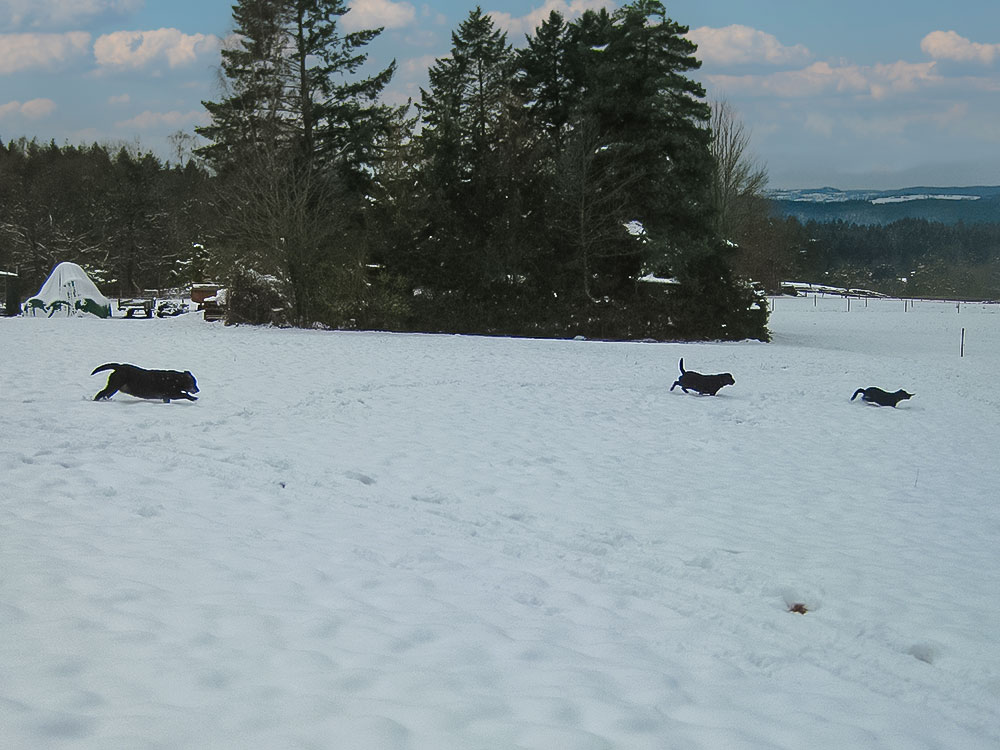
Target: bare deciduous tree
[
  {"x": 286, "y": 220},
  {"x": 743, "y": 212},
  {"x": 740, "y": 177}
]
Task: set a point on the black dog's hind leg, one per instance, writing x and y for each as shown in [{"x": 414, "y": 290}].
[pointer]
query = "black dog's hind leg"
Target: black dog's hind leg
[{"x": 108, "y": 392}]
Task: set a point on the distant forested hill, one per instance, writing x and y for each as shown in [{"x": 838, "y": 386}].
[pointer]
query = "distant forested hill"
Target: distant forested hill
[{"x": 949, "y": 205}]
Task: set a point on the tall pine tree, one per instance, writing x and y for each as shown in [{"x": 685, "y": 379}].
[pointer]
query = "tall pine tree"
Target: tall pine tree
[
  {"x": 253, "y": 75},
  {"x": 291, "y": 83},
  {"x": 295, "y": 138},
  {"x": 622, "y": 132},
  {"x": 545, "y": 82},
  {"x": 476, "y": 156},
  {"x": 653, "y": 119}
]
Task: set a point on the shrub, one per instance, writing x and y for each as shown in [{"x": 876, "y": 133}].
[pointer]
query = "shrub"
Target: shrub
[{"x": 256, "y": 299}]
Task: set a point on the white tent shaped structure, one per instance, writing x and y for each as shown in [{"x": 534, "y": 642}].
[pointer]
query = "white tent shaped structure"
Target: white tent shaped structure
[{"x": 68, "y": 291}]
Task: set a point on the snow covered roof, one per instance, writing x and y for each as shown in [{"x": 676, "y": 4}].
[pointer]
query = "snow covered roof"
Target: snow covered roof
[
  {"x": 805, "y": 287},
  {"x": 652, "y": 279},
  {"x": 68, "y": 291}
]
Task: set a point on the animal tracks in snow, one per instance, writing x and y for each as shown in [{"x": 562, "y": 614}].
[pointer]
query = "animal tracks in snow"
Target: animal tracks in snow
[{"x": 358, "y": 476}]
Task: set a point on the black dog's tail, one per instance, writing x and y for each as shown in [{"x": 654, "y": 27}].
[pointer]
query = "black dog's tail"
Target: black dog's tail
[
  {"x": 108, "y": 366},
  {"x": 860, "y": 390},
  {"x": 682, "y": 366}
]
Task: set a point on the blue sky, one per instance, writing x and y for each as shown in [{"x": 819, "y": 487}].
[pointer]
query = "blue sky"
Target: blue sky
[{"x": 867, "y": 94}]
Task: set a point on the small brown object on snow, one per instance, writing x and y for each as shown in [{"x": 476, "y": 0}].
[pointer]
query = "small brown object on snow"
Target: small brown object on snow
[{"x": 799, "y": 608}]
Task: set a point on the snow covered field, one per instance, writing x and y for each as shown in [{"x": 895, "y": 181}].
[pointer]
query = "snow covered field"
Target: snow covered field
[{"x": 376, "y": 541}]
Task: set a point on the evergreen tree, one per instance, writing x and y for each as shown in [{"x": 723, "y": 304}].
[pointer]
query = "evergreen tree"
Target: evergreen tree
[
  {"x": 545, "y": 83},
  {"x": 653, "y": 118},
  {"x": 295, "y": 141},
  {"x": 395, "y": 219},
  {"x": 50, "y": 201},
  {"x": 137, "y": 220},
  {"x": 589, "y": 204},
  {"x": 188, "y": 209},
  {"x": 292, "y": 83},
  {"x": 476, "y": 155},
  {"x": 712, "y": 302},
  {"x": 341, "y": 121},
  {"x": 254, "y": 72},
  {"x": 625, "y": 143}
]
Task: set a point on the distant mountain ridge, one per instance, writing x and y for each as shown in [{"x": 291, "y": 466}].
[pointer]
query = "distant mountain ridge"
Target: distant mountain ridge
[{"x": 948, "y": 205}]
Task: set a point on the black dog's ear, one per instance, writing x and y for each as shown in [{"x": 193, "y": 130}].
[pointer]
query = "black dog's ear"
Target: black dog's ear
[{"x": 188, "y": 372}]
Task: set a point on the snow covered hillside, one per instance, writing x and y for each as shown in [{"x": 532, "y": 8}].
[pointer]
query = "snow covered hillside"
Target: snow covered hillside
[
  {"x": 949, "y": 205},
  {"x": 377, "y": 541}
]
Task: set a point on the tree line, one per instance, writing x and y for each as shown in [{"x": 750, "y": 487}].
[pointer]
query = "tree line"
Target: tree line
[
  {"x": 132, "y": 221},
  {"x": 909, "y": 257},
  {"x": 529, "y": 191}
]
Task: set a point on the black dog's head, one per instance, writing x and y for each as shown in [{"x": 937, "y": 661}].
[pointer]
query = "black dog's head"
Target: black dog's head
[
  {"x": 186, "y": 383},
  {"x": 727, "y": 379},
  {"x": 902, "y": 395}
]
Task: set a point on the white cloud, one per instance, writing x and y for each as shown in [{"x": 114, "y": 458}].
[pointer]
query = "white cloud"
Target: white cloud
[
  {"x": 900, "y": 77},
  {"x": 152, "y": 120},
  {"x": 374, "y": 14},
  {"x": 416, "y": 66},
  {"x": 948, "y": 45},
  {"x": 138, "y": 49},
  {"x": 526, "y": 24},
  {"x": 49, "y": 13},
  {"x": 821, "y": 78},
  {"x": 119, "y": 99},
  {"x": 47, "y": 51},
  {"x": 740, "y": 45},
  {"x": 34, "y": 109},
  {"x": 895, "y": 124}
]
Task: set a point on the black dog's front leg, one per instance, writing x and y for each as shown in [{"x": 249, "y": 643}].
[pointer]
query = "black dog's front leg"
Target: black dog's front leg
[{"x": 168, "y": 399}]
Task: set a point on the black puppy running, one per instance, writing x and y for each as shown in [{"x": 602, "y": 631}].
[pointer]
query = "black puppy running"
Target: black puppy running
[
  {"x": 135, "y": 381},
  {"x": 695, "y": 381},
  {"x": 877, "y": 396}
]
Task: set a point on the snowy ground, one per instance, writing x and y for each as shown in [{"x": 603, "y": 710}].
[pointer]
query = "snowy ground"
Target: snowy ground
[{"x": 374, "y": 541}]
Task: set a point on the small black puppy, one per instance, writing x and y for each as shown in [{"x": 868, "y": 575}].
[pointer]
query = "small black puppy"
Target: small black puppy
[
  {"x": 709, "y": 384},
  {"x": 877, "y": 396},
  {"x": 135, "y": 381}
]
